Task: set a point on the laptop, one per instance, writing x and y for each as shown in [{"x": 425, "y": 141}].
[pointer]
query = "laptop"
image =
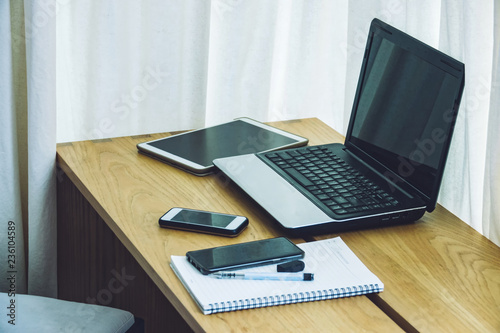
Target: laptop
[{"x": 389, "y": 169}]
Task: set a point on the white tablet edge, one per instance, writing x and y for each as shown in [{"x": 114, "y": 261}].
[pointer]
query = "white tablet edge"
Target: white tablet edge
[{"x": 202, "y": 170}]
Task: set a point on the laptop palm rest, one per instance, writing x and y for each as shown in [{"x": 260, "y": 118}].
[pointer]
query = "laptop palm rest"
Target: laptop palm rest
[{"x": 261, "y": 183}]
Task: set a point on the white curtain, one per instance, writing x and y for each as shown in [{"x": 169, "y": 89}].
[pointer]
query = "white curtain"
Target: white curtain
[
  {"x": 491, "y": 218},
  {"x": 27, "y": 147},
  {"x": 131, "y": 67},
  {"x": 127, "y": 67},
  {"x": 11, "y": 232}
]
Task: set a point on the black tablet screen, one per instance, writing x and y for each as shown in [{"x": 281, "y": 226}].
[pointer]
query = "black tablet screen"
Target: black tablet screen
[{"x": 230, "y": 139}]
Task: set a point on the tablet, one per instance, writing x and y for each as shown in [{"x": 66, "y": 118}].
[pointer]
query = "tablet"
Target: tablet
[{"x": 194, "y": 151}]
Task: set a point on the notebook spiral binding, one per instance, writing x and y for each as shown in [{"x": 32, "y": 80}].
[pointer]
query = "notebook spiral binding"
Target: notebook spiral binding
[{"x": 293, "y": 298}]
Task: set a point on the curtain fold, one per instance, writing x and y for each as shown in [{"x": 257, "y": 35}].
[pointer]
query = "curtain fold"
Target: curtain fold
[
  {"x": 491, "y": 217},
  {"x": 12, "y": 256},
  {"x": 40, "y": 36},
  {"x": 130, "y": 67},
  {"x": 461, "y": 25},
  {"x": 27, "y": 147}
]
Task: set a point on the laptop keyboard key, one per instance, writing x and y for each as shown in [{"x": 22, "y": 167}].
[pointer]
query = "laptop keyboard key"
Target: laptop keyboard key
[
  {"x": 285, "y": 156},
  {"x": 340, "y": 200},
  {"x": 298, "y": 177},
  {"x": 354, "y": 201}
]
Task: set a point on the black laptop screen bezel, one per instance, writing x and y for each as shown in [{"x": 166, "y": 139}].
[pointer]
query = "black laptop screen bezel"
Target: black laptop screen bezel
[{"x": 389, "y": 165}]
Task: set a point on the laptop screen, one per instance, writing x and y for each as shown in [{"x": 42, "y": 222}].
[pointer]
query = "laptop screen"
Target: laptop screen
[{"x": 404, "y": 110}]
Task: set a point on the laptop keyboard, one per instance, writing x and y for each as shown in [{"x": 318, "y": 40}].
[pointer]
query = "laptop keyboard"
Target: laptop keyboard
[{"x": 331, "y": 180}]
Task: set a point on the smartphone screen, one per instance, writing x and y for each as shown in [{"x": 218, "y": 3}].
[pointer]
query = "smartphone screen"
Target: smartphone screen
[
  {"x": 244, "y": 255},
  {"x": 205, "y": 218},
  {"x": 203, "y": 221}
]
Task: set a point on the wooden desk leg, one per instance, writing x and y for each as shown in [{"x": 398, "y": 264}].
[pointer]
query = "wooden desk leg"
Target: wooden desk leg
[{"x": 95, "y": 267}]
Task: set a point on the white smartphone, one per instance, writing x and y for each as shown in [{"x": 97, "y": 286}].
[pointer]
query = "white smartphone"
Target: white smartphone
[
  {"x": 195, "y": 151},
  {"x": 203, "y": 221}
]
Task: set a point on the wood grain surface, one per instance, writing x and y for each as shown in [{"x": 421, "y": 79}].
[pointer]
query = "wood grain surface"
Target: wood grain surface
[
  {"x": 129, "y": 192},
  {"x": 440, "y": 275}
]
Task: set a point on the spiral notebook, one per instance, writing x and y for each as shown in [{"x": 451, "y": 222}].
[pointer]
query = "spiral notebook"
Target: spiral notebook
[{"x": 338, "y": 272}]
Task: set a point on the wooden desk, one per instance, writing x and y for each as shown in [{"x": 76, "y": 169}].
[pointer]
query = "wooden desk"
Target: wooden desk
[
  {"x": 439, "y": 274},
  {"x": 109, "y": 201}
]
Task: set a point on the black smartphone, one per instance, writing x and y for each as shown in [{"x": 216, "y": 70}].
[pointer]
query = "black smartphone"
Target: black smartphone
[
  {"x": 203, "y": 221},
  {"x": 244, "y": 255}
]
